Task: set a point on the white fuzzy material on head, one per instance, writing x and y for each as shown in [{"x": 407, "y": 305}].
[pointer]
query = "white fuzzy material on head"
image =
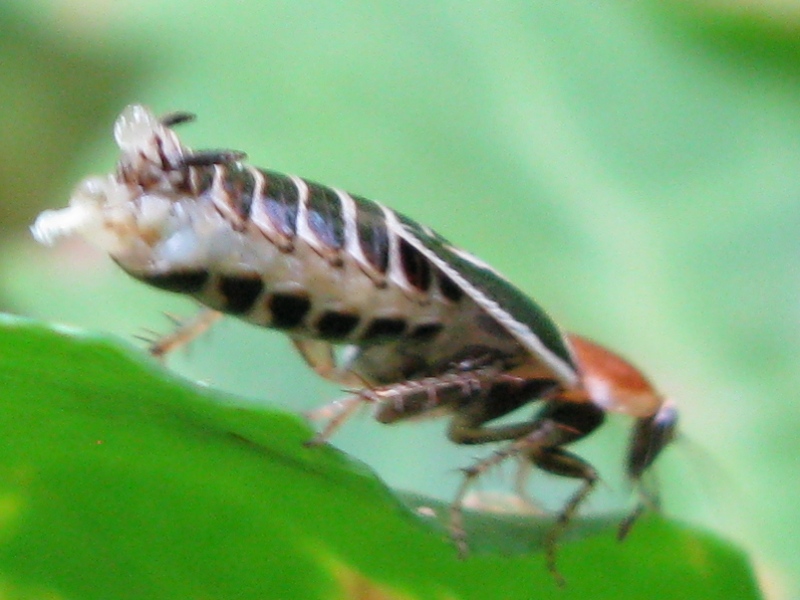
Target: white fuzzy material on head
[
  {"x": 90, "y": 208},
  {"x": 114, "y": 212},
  {"x": 52, "y": 225}
]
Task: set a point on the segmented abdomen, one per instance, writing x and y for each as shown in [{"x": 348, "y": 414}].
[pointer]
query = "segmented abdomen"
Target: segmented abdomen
[{"x": 313, "y": 260}]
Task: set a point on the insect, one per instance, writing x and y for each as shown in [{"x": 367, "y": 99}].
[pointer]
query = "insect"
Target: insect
[{"x": 428, "y": 328}]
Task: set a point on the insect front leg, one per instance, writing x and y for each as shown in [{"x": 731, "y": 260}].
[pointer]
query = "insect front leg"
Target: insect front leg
[{"x": 650, "y": 436}]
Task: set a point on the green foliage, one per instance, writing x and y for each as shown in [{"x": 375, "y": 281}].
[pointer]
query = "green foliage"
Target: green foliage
[{"x": 119, "y": 480}]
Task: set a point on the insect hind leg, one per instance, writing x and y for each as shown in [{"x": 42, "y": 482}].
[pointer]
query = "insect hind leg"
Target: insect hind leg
[{"x": 411, "y": 399}]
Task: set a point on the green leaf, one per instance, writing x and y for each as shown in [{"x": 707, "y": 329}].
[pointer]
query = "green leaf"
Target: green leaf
[{"x": 120, "y": 480}]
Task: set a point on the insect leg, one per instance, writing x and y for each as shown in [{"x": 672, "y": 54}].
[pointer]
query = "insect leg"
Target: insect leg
[
  {"x": 504, "y": 396},
  {"x": 560, "y": 462},
  {"x": 320, "y": 356},
  {"x": 421, "y": 397},
  {"x": 538, "y": 434},
  {"x": 467, "y": 427},
  {"x": 574, "y": 421},
  {"x": 650, "y": 436},
  {"x": 184, "y": 333},
  {"x": 539, "y": 440},
  {"x": 394, "y": 402},
  {"x": 336, "y": 413}
]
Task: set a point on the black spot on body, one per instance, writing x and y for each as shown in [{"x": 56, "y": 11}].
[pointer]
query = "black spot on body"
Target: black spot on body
[
  {"x": 184, "y": 282},
  {"x": 415, "y": 266},
  {"x": 449, "y": 289},
  {"x": 426, "y": 331},
  {"x": 281, "y": 200},
  {"x": 288, "y": 310},
  {"x": 336, "y": 325},
  {"x": 373, "y": 235},
  {"x": 384, "y": 327},
  {"x": 325, "y": 217},
  {"x": 239, "y": 292}
]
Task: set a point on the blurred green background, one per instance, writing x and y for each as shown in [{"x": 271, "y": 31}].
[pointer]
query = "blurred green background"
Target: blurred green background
[{"x": 635, "y": 169}]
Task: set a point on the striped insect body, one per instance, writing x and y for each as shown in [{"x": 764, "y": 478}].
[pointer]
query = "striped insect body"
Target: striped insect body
[{"x": 428, "y": 328}]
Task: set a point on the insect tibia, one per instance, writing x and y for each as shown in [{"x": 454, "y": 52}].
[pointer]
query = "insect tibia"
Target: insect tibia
[{"x": 417, "y": 398}]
